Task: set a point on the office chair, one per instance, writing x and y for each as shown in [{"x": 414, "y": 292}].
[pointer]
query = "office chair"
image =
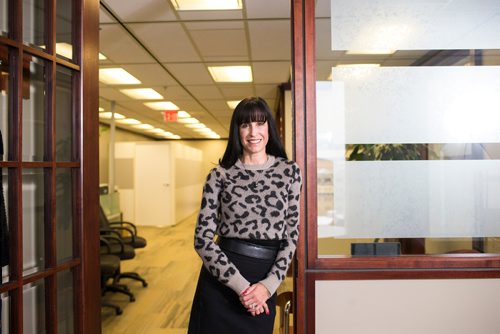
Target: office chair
[
  {"x": 130, "y": 238},
  {"x": 116, "y": 246}
]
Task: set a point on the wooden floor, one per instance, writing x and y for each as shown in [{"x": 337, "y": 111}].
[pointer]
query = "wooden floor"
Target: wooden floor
[{"x": 171, "y": 267}]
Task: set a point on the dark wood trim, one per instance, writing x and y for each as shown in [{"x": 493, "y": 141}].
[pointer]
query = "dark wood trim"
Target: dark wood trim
[
  {"x": 90, "y": 320},
  {"x": 5, "y": 287},
  {"x": 311, "y": 304},
  {"x": 298, "y": 97},
  {"x": 51, "y": 271}
]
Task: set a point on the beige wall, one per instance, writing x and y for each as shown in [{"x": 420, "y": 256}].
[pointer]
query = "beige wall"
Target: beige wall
[{"x": 458, "y": 306}]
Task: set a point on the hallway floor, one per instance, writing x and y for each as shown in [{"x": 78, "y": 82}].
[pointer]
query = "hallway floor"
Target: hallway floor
[{"x": 171, "y": 267}]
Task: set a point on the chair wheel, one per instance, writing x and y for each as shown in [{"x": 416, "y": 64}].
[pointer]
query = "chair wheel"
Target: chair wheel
[
  {"x": 132, "y": 299},
  {"x": 144, "y": 284},
  {"x": 119, "y": 312}
]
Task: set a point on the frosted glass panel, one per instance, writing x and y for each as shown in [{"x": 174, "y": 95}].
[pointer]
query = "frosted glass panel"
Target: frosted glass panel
[
  {"x": 411, "y": 199},
  {"x": 417, "y": 104},
  {"x": 415, "y": 24}
]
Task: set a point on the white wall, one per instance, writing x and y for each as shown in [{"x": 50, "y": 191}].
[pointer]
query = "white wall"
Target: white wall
[{"x": 458, "y": 306}]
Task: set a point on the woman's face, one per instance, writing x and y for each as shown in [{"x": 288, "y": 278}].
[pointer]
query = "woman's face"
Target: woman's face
[{"x": 254, "y": 137}]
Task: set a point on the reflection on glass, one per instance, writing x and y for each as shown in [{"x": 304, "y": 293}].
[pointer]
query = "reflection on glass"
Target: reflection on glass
[
  {"x": 65, "y": 307},
  {"x": 4, "y": 313},
  {"x": 4, "y": 97},
  {"x": 4, "y": 227},
  {"x": 63, "y": 28},
  {"x": 64, "y": 117},
  {"x": 34, "y": 110},
  {"x": 408, "y": 148},
  {"x": 64, "y": 214},
  {"x": 3, "y": 17},
  {"x": 34, "y": 23},
  {"x": 33, "y": 221},
  {"x": 34, "y": 307}
]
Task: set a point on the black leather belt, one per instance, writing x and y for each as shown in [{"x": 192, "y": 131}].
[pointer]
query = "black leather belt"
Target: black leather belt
[{"x": 249, "y": 249}]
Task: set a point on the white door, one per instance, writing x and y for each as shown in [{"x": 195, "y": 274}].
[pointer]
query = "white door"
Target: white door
[{"x": 153, "y": 188}]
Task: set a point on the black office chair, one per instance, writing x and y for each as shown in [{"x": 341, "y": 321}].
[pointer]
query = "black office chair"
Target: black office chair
[
  {"x": 130, "y": 230},
  {"x": 116, "y": 246}
]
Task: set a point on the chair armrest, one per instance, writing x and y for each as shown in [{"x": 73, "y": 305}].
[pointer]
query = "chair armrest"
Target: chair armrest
[
  {"x": 120, "y": 241},
  {"x": 118, "y": 228},
  {"x": 129, "y": 224}
]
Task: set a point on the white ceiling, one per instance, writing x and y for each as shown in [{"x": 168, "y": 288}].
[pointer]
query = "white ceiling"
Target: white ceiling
[{"x": 170, "y": 51}]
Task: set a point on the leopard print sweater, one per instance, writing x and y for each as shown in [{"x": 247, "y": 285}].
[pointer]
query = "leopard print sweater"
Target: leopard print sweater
[{"x": 249, "y": 202}]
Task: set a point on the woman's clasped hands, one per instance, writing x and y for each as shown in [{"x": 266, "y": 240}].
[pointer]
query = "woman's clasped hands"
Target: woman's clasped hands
[{"x": 254, "y": 299}]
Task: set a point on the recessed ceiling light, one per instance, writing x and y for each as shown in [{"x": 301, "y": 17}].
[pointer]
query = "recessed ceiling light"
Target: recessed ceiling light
[
  {"x": 232, "y": 104},
  {"x": 370, "y": 52},
  {"x": 142, "y": 93},
  {"x": 162, "y": 105},
  {"x": 198, "y": 125},
  {"x": 175, "y": 137},
  {"x": 183, "y": 114},
  {"x": 144, "y": 126},
  {"x": 202, "y": 130},
  {"x": 129, "y": 121},
  {"x": 358, "y": 65},
  {"x": 189, "y": 120},
  {"x": 107, "y": 115},
  {"x": 156, "y": 130},
  {"x": 206, "y": 4},
  {"x": 231, "y": 73},
  {"x": 117, "y": 76},
  {"x": 65, "y": 50}
]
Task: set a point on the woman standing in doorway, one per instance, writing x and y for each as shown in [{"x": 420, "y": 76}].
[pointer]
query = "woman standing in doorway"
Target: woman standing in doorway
[{"x": 251, "y": 203}]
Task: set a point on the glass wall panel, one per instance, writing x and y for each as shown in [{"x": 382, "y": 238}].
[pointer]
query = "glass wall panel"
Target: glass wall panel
[
  {"x": 65, "y": 306},
  {"x": 408, "y": 129},
  {"x": 3, "y": 17},
  {"x": 64, "y": 214},
  {"x": 33, "y": 221},
  {"x": 34, "y": 104},
  {"x": 64, "y": 44},
  {"x": 34, "y": 307},
  {"x": 64, "y": 126},
  {"x": 4, "y": 99},
  {"x": 4, "y": 227},
  {"x": 4, "y": 313},
  {"x": 34, "y": 23}
]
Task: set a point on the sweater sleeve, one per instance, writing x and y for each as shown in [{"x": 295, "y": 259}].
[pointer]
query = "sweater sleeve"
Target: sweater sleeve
[
  {"x": 285, "y": 255},
  {"x": 214, "y": 259}
]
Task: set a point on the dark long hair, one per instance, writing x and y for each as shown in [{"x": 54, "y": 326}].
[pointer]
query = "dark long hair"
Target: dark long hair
[{"x": 251, "y": 109}]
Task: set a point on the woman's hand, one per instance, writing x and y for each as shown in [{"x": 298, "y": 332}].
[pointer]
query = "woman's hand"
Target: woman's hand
[{"x": 254, "y": 299}]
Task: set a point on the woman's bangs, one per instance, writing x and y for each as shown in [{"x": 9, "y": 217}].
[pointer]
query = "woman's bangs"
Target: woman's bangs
[{"x": 252, "y": 115}]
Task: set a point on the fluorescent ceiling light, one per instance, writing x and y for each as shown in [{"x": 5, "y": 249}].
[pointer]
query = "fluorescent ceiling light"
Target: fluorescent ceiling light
[
  {"x": 162, "y": 105},
  {"x": 101, "y": 109},
  {"x": 214, "y": 136},
  {"x": 156, "y": 130},
  {"x": 166, "y": 134},
  {"x": 183, "y": 114},
  {"x": 189, "y": 120},
  {"x": 207, "y": 4},
  {"x": 65, "y": 50},
  {"x": 117, "y": 76},
  {"x": 102, "y": 57},
  {"x": 232, "y": 104},
  {"x": 142, "y": 93},
  {"x": 198, "y": 125},
  {"x": 371, "y": 52},
  {"x": 175, "y": 137},
  {"x": 358, "y": 65},
  {"x": 231, "y": 73},
  {"x": 144, "y": 126},
  {"x": 107, "y": 115},
  {"x": 129, "y": 121},
  {"x": 202, "y": 130}
]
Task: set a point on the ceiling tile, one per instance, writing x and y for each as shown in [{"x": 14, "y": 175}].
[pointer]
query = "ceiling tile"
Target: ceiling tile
[
  {"x": 237, "y": 92},
  {"x": 167, "y": 41},
  {"x": 271, "y": 72},
  {"x": 270, "y": 40},
  {"x": 267, "y": 9},
  {"x": 144, "y": 10},
  {"x": 191, "y": 74},
  {"x": 119, "y": 47},
  {"x": 150, "y": 74},
  {"x": 266, "y": 91},
  {"x": 204, "y": 91},
  {"x": 221, "y": 42},
  {"x": 104, "y": 17}
]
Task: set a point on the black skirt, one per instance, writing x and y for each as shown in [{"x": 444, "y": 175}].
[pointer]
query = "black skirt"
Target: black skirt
[{"x": 217, "y": 309}]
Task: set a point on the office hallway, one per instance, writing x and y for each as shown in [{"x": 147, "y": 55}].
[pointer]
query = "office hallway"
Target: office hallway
[{"x": 171, "y": 267}]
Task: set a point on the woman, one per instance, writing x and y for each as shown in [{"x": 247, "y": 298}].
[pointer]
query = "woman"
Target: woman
[{"x": 251, "y": 202}]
